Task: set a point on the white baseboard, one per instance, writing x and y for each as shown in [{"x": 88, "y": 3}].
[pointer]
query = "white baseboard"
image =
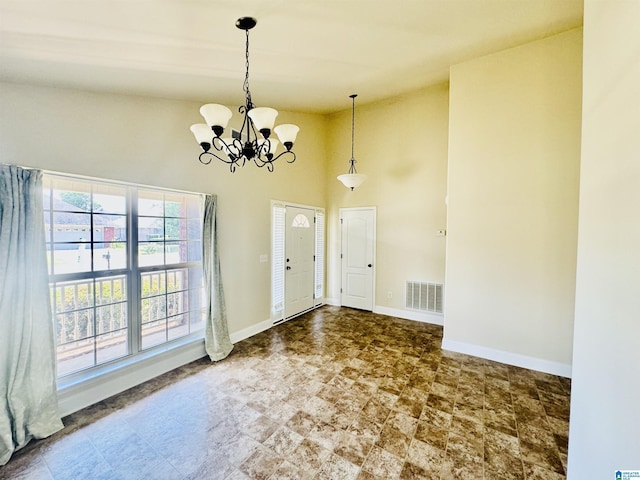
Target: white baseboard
[
  {"x": 334, "y": 302},
  {"x": 397, "y": 312},
  {"x": 74, "y": 397},
  {"x": 410, "y": 315},
  {"x": 251, "y": 331},
  {"x": 515, "y": 359}
]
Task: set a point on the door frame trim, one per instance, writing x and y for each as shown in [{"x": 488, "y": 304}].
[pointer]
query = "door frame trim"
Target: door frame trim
[
  {"x": 317, "y": 302},
  {"x": 374, "y": 253}
]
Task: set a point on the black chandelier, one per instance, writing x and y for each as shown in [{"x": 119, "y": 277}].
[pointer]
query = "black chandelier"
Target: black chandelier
[{"x": 245, "y": 145}]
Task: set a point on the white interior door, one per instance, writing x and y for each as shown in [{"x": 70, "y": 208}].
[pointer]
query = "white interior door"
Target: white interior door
[
  {"x": 358, "y": 252},
  {"x": 299, "y": 264}
]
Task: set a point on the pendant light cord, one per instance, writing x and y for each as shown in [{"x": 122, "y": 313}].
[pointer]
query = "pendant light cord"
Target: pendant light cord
[
  {"x": 353, "y": 121},
  {"x": 352, "y": 167}
]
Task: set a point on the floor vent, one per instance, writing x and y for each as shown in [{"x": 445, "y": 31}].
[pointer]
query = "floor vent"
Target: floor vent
[{"x": 426, "y": 297}]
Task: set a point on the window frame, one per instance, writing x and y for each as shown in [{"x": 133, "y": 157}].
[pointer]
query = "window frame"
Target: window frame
[{"x": 133, "y": 274}]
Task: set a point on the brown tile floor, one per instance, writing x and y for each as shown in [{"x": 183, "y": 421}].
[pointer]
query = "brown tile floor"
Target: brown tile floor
[{"x": 335, "y": 394}]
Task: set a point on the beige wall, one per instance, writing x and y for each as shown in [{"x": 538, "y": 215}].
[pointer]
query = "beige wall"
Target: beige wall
[
  {"x": 507, "y": 129},
  {"x": 605, "y": 396},
  {"x": 147, "y": 140},
  {"x": 401, "y": 144},
  {"x": 514, "y": 153}
]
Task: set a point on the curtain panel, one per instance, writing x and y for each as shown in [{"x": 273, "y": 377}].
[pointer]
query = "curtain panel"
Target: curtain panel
[
  {"x": 217, "y": 342},
  {"x": 28, "y": 398}
]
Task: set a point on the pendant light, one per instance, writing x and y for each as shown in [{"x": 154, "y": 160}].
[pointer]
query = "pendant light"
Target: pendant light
[{"x": 352, "y": 179}]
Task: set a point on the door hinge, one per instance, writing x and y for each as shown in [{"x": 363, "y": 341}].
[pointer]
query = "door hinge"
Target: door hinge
[
  {"x": 340, "y": 290},
  {"x": 341, "y": 220},
  {"x": 314, "y": 258},
  {"x": 340, "y": 255},
  {"x": 314, "y": 219}
]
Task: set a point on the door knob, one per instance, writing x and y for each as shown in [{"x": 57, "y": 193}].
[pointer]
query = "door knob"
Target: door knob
[
  {"x": 369, "y": 265},
  {"x": 288, "y": 267}
]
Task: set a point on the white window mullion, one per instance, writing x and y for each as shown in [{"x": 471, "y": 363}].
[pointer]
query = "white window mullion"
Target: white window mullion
[{"x": 134, "y": 291}]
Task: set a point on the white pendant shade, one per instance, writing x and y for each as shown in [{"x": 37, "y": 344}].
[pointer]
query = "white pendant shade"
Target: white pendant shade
[
  {"x": 202, "y": 132},
  {"x": 216, "y": 115},
  {"x": 263, "y": 117},
  {"x": 352, "y": 180},
  {"x": 287, "y": 132}
]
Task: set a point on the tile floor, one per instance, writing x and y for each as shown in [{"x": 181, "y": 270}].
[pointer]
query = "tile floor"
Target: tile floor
[{"x": 335, "y": 394}]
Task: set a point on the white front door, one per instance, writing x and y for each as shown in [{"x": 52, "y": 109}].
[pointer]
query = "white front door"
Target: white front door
[
  {"x": 358, "y": 252},
  {"x": 299, "y": 262}
]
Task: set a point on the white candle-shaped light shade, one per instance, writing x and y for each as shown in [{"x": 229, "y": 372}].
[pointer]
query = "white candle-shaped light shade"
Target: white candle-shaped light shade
[
  {"x": 263, "y": 118},
  {"x": 216, "y": 116},
  {"x": 287, "y": 134},
  {"x": 272, "y": 147},
  {"x": 202, "y": 132}
]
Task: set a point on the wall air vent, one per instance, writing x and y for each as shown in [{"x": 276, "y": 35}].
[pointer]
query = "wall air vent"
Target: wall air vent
[{"x": 425, "y": 297}]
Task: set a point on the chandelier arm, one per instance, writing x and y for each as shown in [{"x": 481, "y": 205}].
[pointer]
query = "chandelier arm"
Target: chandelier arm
[
  {"x": 252, "y": 130},
  {"x": 209, "y": 155},
  {"x": 262, "y": 151},
  {"x": 261, "y": 162},
  {"x": 225, "y": 147},
  {"x": 206, "y": 155},
  {"x": 233, "y": 152},
  {"x": 293, "y": 155},
  {"x": 247, "y": 125},
  {"x": 236, "y": 144}
]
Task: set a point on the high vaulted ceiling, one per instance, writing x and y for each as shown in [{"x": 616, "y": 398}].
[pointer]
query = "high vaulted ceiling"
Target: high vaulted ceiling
[{"x": 305, "y": 55}]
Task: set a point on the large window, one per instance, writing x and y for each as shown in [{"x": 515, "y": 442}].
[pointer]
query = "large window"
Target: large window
[{"x": 124, "y": 269}]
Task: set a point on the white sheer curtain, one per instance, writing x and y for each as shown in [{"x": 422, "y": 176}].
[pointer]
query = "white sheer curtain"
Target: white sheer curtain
[
  {"x": 28, "y": 399},
  {"x": 217, "y": 342}
]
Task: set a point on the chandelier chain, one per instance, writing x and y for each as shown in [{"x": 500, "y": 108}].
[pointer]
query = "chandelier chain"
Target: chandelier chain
[{"x": 247, "y": 92}]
